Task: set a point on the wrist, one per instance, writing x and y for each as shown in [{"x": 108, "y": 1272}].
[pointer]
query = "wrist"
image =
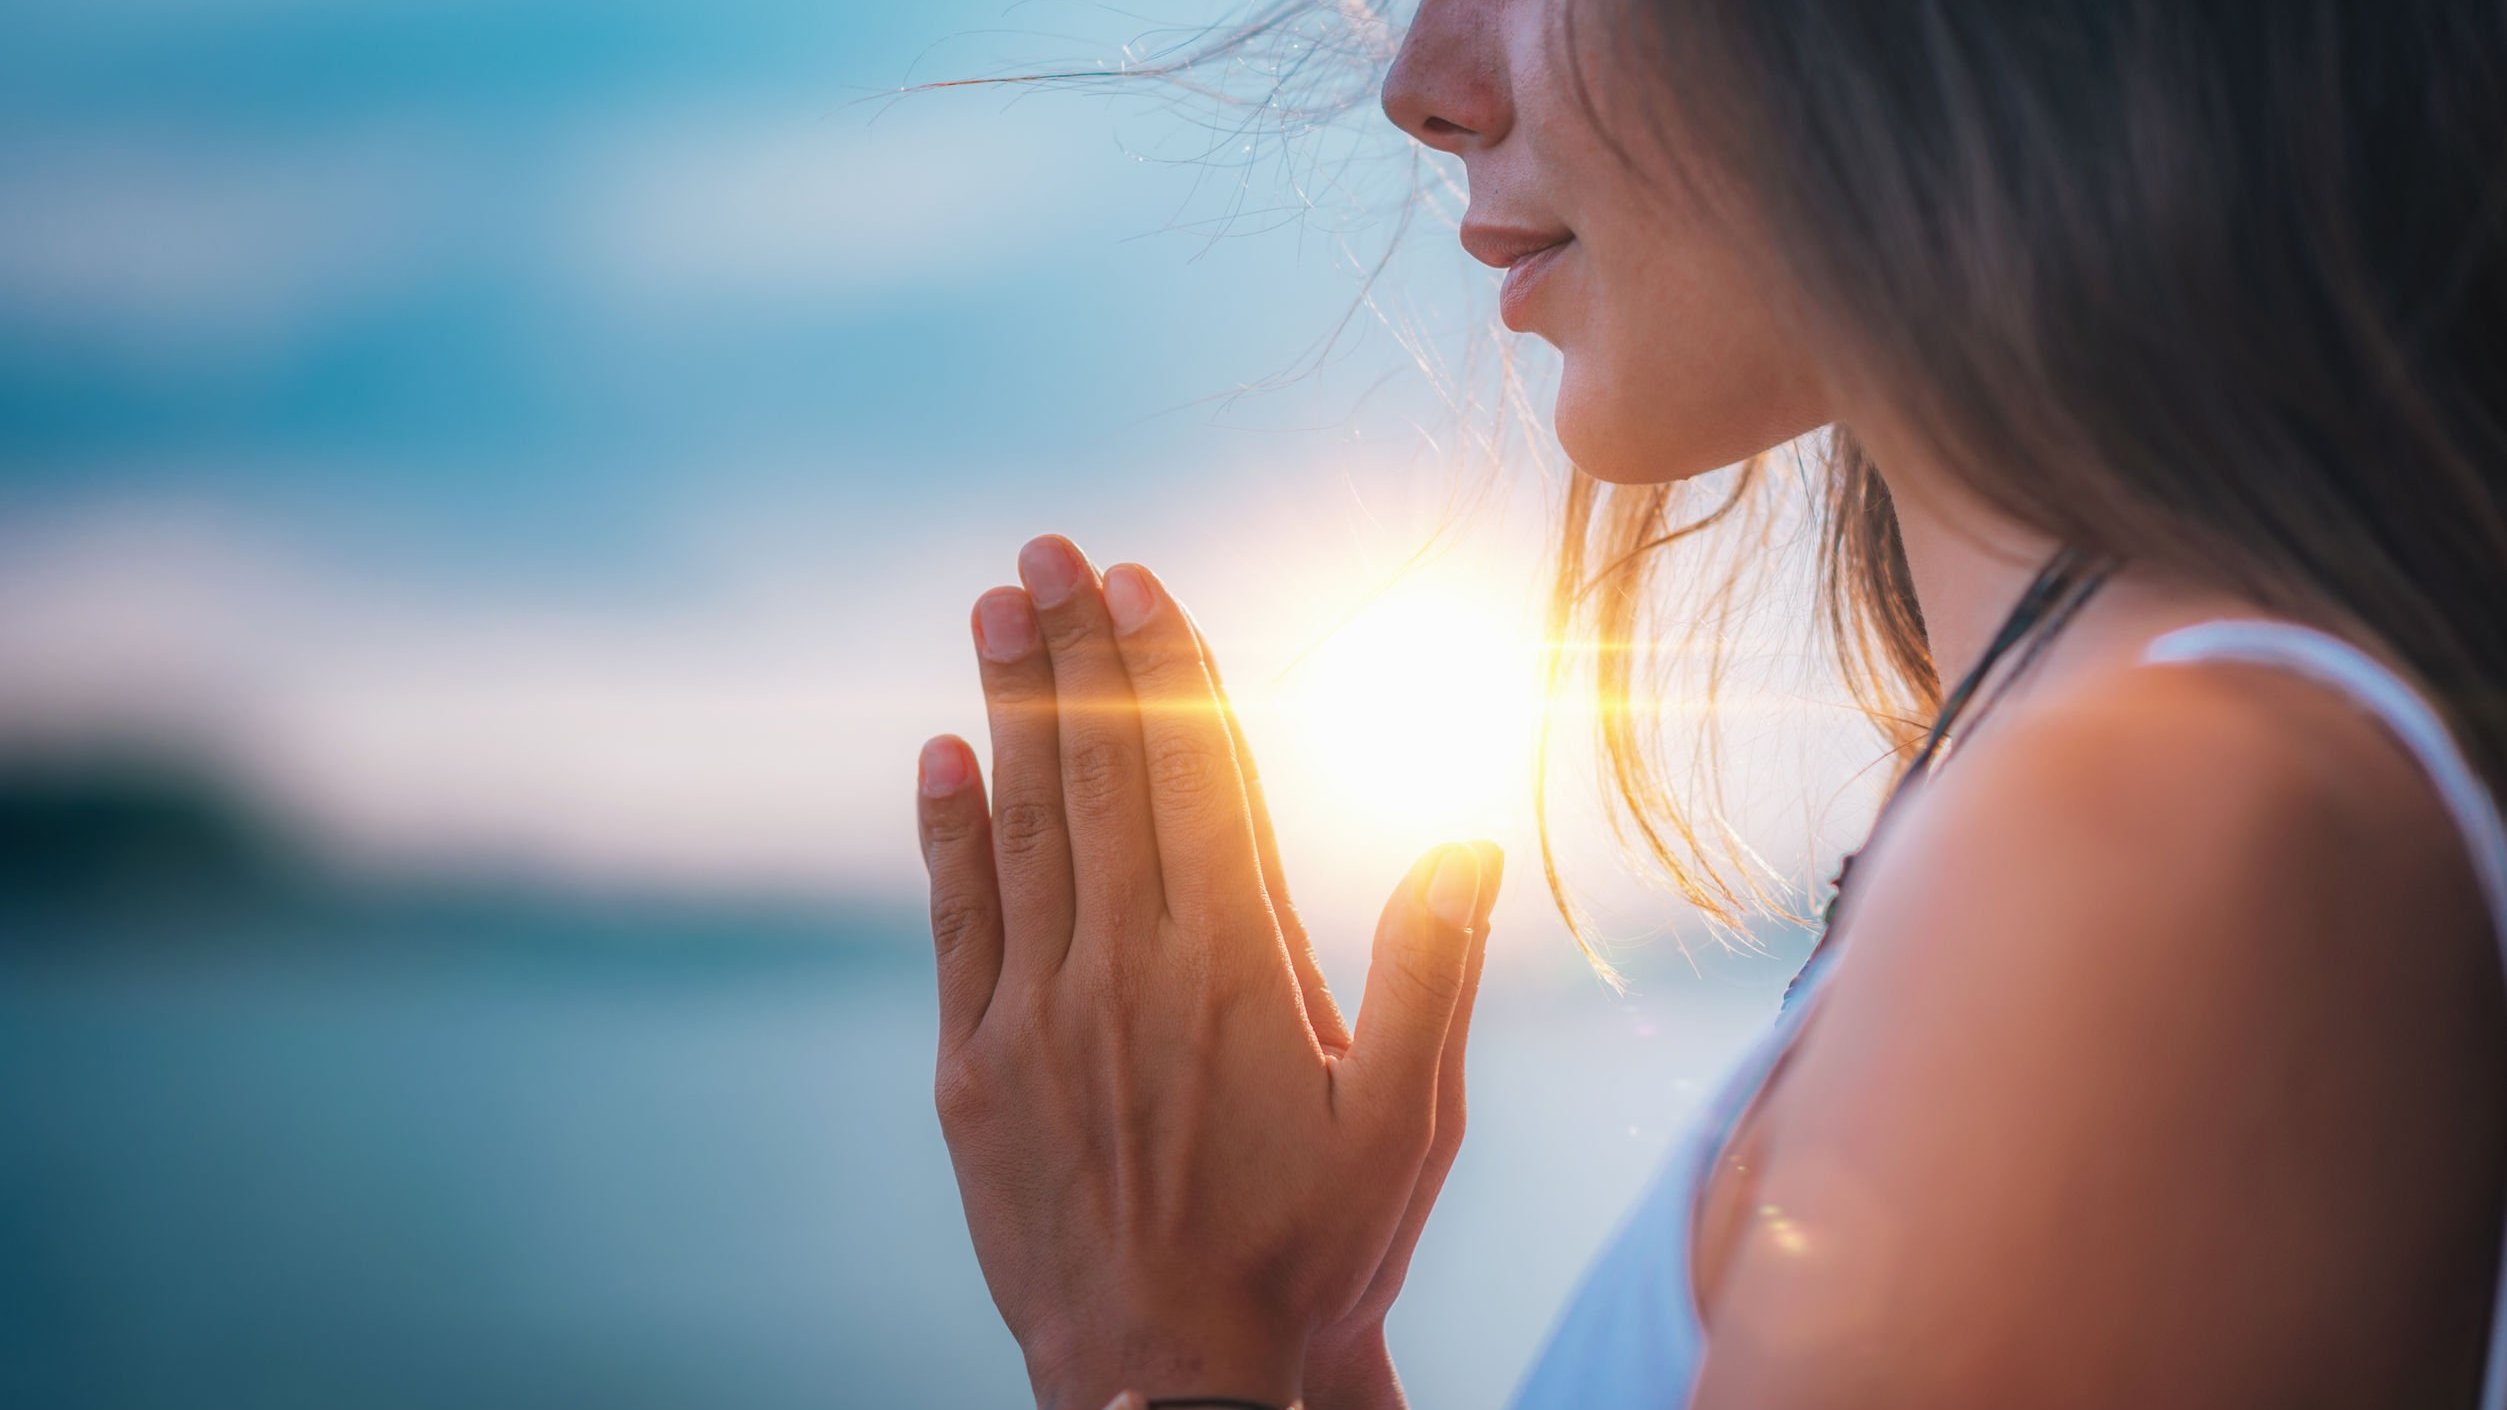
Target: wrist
[{"x": 1234, "y": 1359}]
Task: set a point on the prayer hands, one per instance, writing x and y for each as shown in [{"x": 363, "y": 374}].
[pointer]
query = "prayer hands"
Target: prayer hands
[{"x": 1183, "y": 1174}]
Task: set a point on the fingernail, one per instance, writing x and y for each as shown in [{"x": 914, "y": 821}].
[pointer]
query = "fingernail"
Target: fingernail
[
  {"x": 1454, "y": 892},
  {"x": 1005, "y": 626},
  {"x": 1492, "y": 859},
  {"x": 1051, "y": 568},
  {"x": 1128, "y": 597},
  {"x": 1128, "y": 1400},
  {"x": 944, "y": 767},
  {"x": 1492, "y": 865}
]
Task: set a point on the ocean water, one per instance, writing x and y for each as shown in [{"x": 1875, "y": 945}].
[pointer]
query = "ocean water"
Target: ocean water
[{"x": 489, "y": 1175}]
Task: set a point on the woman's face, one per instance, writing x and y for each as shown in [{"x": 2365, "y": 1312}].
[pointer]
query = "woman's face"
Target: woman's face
[{"x": 1675, "y": 363}]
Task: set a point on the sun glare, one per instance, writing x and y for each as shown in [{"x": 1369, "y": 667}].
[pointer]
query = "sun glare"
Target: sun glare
[{"x": 1414, "y": 720}]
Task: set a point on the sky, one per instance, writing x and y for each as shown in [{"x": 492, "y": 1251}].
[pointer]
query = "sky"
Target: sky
[
  {"x": 563, "y": 440},
  {"x": 558, "y": 444}
]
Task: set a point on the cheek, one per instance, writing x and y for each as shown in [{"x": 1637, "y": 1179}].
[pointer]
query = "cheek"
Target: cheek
[{"x": 1677, "y": 369}]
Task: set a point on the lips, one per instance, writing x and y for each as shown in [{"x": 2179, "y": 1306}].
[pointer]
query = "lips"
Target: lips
[
  {"x": 1499, "y": 246},
  {"x": 1527, "y": 255},
  {"x": 1523, "y": 277}
]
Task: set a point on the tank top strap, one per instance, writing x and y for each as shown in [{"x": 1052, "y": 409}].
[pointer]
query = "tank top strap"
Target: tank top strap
[{"x": 2376, "y": 688}]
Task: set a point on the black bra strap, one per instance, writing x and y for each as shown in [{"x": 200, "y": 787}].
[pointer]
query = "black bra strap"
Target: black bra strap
[{"x": 2067, "y": 581}]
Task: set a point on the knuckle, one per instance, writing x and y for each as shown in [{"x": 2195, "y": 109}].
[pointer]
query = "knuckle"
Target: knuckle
[
  {"x": 1018, "y": 693},
  {"x": 1094, "y": 773},
  {"x": 1066, "y": 631},
  {"x": 948, "y": 830},
  {"x": 1025, "y": 827},
  {"x": 956, "y": 922},
  {"x": 1160, "y": 667},
  {"x": 1420, "y": 977},
  {"x": 961, "y": 1093},
  {"x": 1185, "y": 768}
]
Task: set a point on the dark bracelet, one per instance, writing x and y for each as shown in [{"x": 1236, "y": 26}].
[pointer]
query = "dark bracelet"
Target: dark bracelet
[{"x": 1207, "y": 1402}]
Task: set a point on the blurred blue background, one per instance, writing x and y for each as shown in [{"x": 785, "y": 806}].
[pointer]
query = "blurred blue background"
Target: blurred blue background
[{"x": 489, "y": 495}]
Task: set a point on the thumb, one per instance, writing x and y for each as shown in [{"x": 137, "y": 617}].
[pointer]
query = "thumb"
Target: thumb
[{"x": 1422, "y": 950}]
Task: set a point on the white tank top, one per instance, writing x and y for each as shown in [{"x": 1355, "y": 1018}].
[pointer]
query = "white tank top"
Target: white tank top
[{"x": 1630, "y": 1338}]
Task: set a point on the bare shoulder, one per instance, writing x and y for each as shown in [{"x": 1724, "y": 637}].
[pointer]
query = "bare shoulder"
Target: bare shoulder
[
  {"x": 2161, "y": 1067},
  {"x": 2232, "y": 836},
  {"x": 2236, "y": 799}
]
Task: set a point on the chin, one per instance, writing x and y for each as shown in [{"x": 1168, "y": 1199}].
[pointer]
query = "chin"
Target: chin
[
  {"x": 1626, "y": 435},
  {"x": 1617, "y": 438}
]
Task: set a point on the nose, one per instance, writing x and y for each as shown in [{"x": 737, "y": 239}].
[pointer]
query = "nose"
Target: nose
[{"x": 1448, "y": 85}]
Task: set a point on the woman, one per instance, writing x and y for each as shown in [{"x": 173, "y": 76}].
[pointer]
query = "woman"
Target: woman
[{"x": 2157, "y": 1054}]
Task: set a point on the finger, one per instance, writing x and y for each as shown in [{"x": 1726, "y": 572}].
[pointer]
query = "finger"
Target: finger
[
  {"x": 1452, "y": 1111},
  {"x": 1105, "y": 787},
  {"x": 1207, "y": 867},
  {"x": 1422, "y": 953},
  {"x": 965, "y": 903},
  {"x": 1323, "y": 1015},
  {"x": 1450, "y": 1107},
  {"x": 1031, "y": 844}
]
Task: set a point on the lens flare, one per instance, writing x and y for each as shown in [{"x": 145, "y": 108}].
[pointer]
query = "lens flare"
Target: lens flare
[{"x": 1417, "y": 716}]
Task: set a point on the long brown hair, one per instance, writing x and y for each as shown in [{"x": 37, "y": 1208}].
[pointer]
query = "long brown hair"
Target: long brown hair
[
  {"x": 2212, "y": 287},
  {"x": 1609, "y": 625},
  {"x": 2215, "y": 287}
]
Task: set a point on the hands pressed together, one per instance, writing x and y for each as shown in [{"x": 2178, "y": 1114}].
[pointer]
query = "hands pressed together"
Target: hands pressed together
[{"x": 1184, "y": 1174}]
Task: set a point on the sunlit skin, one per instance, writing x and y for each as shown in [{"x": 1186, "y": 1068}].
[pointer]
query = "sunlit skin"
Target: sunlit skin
[
  {"x": 2153, "y": 933},
  {"x": 1181, "y": 1167}
]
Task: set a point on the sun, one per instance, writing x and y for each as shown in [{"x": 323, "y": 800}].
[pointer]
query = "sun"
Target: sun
[{"x": 1414, "y": 720}]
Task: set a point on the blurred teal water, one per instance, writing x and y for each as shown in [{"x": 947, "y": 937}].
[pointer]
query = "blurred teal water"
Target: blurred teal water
[{"x": 688, "y": 1171}]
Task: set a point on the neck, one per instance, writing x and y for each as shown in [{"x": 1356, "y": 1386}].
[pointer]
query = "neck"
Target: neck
[{"x": 1969, "y": 563}]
